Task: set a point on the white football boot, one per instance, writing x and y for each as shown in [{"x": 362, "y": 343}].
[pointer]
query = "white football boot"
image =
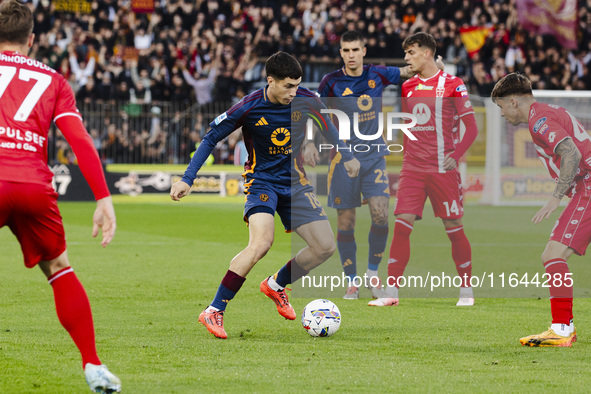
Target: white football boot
[{"x": 101, "y": 380}]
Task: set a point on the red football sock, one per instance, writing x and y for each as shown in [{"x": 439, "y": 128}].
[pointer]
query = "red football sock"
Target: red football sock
[
  {"x": 73, "y": 311},
  {"x": 561, "y": 294},
  {"x": 461, "y": 252},
  {"x": 399, "y": 251}
]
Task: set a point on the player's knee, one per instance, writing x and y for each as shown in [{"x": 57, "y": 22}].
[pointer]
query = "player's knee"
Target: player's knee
[
  {"x": 380, "y": 220},
  {"x": 346, "y": 219},
  {"x": 548, "y": 255},
  {"x": 451, "y": 223},
  {"x": 260, "y": 249},
  {"x": 50, "y": 267},
  {"x": 325, "y": 249}
]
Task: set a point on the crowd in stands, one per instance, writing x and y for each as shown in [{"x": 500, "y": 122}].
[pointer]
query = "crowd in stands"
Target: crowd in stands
[{"x": 201, "y": 51}]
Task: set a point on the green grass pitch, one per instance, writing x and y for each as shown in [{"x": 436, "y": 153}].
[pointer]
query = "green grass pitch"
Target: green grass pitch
[{"x": 148, "y": 287}]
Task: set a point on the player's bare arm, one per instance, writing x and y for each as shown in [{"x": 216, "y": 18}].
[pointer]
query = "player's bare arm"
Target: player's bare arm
[
  {"x": 406, "y": 72},
  {"x": 104, "y": 218},
  {"x": 569, "y": 162},
  {"x": 179, "y": 190}
]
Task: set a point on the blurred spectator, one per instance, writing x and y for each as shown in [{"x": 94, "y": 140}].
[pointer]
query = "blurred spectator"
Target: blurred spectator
[
  {"x": 203, "y": 82},
  {"x": 189, "y": 52}
]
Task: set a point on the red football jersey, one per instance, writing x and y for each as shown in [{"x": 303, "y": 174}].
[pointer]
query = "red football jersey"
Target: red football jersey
[
  {"x": 438, "y": 104},
  {"x": 549, "y": 125},
  {"x": 32, "y": 95}
]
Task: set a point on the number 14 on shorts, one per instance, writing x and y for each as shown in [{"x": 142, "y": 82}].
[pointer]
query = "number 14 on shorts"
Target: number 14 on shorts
[{"x": 451, "y": 208}]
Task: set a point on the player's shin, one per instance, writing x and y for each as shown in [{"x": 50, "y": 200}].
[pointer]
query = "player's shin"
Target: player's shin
[
  {"x": 348, "y": 252},
  {"x": 461, "y": 252},
  {"x": 561, "y": 291},
  {"x": 377, "y": 238},
  {"x": 231, "y": 284},
  {"x": 74, "y": 313},
  {"x": 289, "y": 273},
  {"x": 399, "y": 250}
]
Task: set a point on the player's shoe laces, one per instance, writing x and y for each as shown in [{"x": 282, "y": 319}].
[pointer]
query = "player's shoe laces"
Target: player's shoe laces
[
  {"x": 466, "y": 297},
  {"x": 281, "y": 301},
  {"x": 352, "y": 293},
  {"x": 549, "y": 338},
  {"x": 384, "y": 302},
  {"x": 101, "y": 380},
  {"x": 214, "y": 322},
  {"x": 378, "y": 290}
]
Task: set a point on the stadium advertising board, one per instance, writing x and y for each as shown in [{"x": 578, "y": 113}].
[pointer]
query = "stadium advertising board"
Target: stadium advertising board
[{"x": 70, "y": 184}]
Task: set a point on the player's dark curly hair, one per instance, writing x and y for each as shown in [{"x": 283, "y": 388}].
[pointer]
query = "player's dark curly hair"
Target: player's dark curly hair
[
  {"x": 423, "y": 40},
  {"x": 513, "y": 84},
  {"x": 16, "y": 22},
  {"x": 282, "y": 65}
]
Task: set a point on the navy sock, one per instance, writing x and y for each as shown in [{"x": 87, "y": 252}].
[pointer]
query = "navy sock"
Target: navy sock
[
  {"x": 289, "y": 273},
  {"x": 348, "y": 252},
  {"x": 378, "y": 236},
  {"x": 230, "y": 285}
]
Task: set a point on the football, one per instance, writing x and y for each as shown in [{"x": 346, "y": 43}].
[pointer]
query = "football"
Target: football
[{"x": 321, "y": 318}]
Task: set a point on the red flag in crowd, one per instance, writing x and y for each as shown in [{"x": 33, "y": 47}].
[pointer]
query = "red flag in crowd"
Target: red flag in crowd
[{"x": 474, "y": 37}]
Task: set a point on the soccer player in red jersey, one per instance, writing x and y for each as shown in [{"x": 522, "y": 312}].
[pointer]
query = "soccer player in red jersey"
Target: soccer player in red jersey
[
  {"x": 32, "y": 95},
  {"x": 429, "y": 169},
  {"x": 564, "y": 146}
]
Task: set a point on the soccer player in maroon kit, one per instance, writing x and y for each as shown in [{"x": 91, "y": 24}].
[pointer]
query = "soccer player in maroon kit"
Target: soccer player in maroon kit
[
  {"x": 31, "y": 96},
  {"x": 429, "y": 169},
  {"x": 564, "y": 146}
]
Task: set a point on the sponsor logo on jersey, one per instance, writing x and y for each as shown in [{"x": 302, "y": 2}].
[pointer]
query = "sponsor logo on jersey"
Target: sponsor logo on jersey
[
  {"x": 364, "y": 102},
  {"x": 220, "y": 118},
  {"x": 464, "y": 94},
  {"x": 280, "y": 136},
  {"x": 424, "y": 87},
  {"x": 461, "y": 88},
  {"x": 263, "y": 122},
  {"x": 347, "y": 92},
  {"x": 544, "y": 129},
  {"x": 539, "y": 124},
  {"x": 371, "y": 83},
  {"x": 422, "y": 113}
]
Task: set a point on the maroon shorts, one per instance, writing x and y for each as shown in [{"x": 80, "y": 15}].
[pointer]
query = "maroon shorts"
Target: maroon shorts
[
  {"x": 443, "y": 189},
  {"x": 573, "y": 227},
  {"x": 30, "y": 211}
]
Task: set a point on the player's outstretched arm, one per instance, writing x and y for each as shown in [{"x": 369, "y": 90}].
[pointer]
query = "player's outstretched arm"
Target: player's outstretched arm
[
  {"x": 104, "y": 218},
  {"x": 570, "y": 156},
  {"x": 179, "y": 190}
]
